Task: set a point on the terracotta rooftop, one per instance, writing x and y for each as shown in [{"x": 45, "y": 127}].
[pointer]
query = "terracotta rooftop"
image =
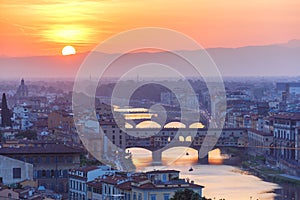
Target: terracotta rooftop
[
  {"x": 40, "y": 149},
  {"x": 290, "y": 116},
  {"x": 151, "y": 186},
  {"x": 162, "y": 171},
  {"x": 125, "y": 186},
  {"x": 85, "y": 169},
  {"x": 95, "y": 184},
  {"x": 113, "y": 179}
]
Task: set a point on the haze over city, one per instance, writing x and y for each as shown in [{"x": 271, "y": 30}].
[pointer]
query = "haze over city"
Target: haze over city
[{"x": 150, "y": 100}]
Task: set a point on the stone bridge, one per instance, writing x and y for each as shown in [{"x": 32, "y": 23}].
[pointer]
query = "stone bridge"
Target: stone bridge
[{"x": 159, "y": 140}]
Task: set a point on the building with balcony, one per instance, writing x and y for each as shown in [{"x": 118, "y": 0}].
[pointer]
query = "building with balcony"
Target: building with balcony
[{"x": 79, "y": 178}]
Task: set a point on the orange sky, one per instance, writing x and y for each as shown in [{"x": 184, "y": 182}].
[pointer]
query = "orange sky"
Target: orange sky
[{"x": 37, "y": 27}]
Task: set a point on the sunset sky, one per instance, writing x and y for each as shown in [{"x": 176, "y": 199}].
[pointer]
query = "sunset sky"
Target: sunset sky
[{"x": 41, "y": 27}]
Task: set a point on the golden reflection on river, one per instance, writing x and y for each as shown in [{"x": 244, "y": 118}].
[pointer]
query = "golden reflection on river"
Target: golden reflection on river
[{"x": 220, "y": 181}]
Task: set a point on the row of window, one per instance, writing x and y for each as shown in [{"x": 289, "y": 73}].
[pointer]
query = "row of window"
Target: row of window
[
  {"x": 46, "y": 160},
  {"x": 284, "y": 134},
  {"x": 152, "y": 196},
  {"x": 76, "y": 196},
  {"x": 50, "y": 174},
  {"x": 77, "y": 185}
]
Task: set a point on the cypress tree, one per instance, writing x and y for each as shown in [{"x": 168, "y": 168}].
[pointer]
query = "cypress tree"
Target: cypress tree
[{"x": 5, "y": 112}]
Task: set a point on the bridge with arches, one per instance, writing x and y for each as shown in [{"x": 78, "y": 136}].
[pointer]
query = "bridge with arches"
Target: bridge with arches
[
  {"x": 159, "y": 140},
  {"x": 170, "y": 124}
]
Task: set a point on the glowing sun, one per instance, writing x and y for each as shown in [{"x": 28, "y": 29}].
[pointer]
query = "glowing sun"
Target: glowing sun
[{"x": 68, "y": 50}]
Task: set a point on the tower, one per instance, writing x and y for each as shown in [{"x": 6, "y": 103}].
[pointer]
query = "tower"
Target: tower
[
  {"x": 5, "y": 113},
  {"x": 22, "y": 90}
]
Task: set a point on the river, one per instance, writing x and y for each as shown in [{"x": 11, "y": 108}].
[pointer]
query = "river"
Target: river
[{"x": 220, "y": 181}]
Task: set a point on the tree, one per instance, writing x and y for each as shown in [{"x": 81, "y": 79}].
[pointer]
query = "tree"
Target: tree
[
  {"x": 5, "y": 113},
  {"x": 187, "y": 194}
]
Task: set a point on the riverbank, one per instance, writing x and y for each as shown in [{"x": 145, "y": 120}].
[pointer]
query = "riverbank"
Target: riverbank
[{"x": 256, "y": 166}]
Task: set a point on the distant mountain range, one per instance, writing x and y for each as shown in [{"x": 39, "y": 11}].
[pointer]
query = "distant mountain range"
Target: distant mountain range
[{"x": 269, "y": 60}]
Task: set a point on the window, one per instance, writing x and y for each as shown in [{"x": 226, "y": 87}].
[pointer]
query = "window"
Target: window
[
  {"x": 164, "y": 178},
  {"x": 166, "y": 196},
  {"x": 47, "y": 160},
  {"x": 43, "y": 173},
  {"x": 16, "y": 172},
  {"x": 134, "y": 196},
  {"x": 34, "y": 174},
  {"x": 153, "y": 197},
  {"x": 30, "y": 160}
]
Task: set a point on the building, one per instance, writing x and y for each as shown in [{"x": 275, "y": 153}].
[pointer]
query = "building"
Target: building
[
  {"x": 285, "y": 135},
  {"x": 60, "y": 119},
  {"x": 181, "y": 98},
  {"x": 8, "y": 194},
  {"x": 22, "y": 90},
  {"x": 14, "y": 171},
  {"x": 259, "y": 142},
  {"x": 21, "y": 117},
  {"x": 154, "y": 185},
  {"x": 94, "y": 190},
  {"x": 51, "y": 162},
  {"x": 292, "y": 88},
  {"x": 297, "y": 144},
  {"x": 79, "y": 178}
]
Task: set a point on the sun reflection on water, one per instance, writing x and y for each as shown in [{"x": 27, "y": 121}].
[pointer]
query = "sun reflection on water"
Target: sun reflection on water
[{"x": 220, "y": 181}]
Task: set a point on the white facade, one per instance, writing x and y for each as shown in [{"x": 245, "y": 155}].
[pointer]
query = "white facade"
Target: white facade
[
  {"x": 14, "y": 171},
  {"x": 79, "y": 178},
  {"x": 21, "y": 117}
]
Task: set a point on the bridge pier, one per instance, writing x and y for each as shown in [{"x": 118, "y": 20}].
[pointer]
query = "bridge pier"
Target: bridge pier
[
  {"x": 202, "y": 160},
  {"x": 156, "y": 157}
]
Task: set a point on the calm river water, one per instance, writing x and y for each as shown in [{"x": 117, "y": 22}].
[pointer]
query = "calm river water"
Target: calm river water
[{"x": 220, "y": 181}]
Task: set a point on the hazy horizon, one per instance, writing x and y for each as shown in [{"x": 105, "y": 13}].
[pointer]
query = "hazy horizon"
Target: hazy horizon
[{"x": 250, "y": 61}]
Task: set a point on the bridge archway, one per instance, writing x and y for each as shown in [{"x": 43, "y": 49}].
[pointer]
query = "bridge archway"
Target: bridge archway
[
  {"x": 181, "y": 138},
  {"x": 188, "y": 138},
  {"x": 148, "y": 124},
  {"x": 175, "y": 124},
  {"x": 180, "y": 155},
  {"x": 196, "y": 125},
  {"x": 141, "y": 157},
  {"x": 215, "y": 157},
  {"x": 128, "y": 125}
]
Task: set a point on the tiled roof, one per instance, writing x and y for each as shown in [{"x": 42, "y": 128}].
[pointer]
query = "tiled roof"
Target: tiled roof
[
  {"x": 85, "y": 169},
  {"x": 162, "y": 171},
  {"x": 113, "y": 179},
  {"x": 150, "y": 186},
  {"x": 125, "y": 186},
  {"x": 291, "y": 116},
  {"x": 40, "y": 149},
  {"x": 95, "y": 184}
]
